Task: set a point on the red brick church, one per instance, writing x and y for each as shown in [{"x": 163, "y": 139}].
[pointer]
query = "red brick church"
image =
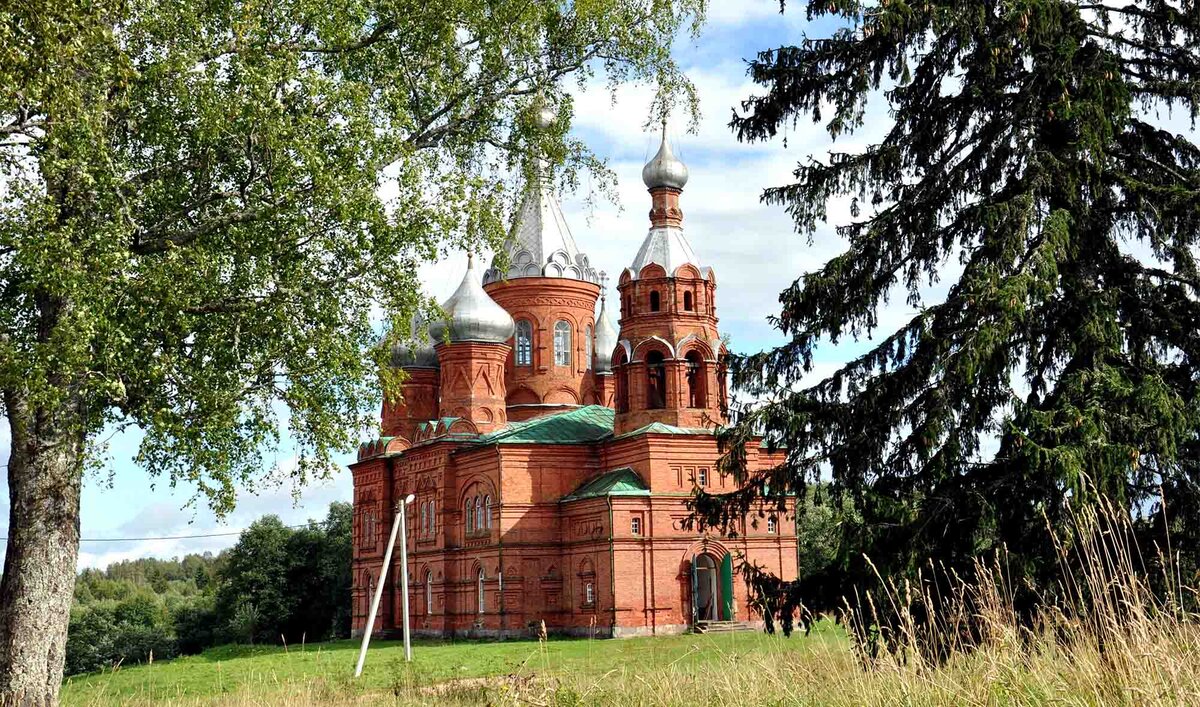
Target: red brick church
[{"x": 551, "y": 453}]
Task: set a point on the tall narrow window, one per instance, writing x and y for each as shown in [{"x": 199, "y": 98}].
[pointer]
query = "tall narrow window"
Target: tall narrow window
[
  {"x": 589, "y": 593},
  {"x": 479, "y": 592},
  {"x": 696, "y": 380},
  {"x": 424, "y": 518},
  {"x": 702, "y": 477},
  {"x": 656, "y": 381},
  {"x": 479, "y": 517},
  {"x": 687, "y": 301},
  {"x": 562, "y": 343},
  {"x": 469, "y": 515},
  {"x": 587, "y": 338},
  {"x": 772, "y": 526},
  {"x": 655, "y": 301},
  {"x": 428, "y": 592},
  {"x": 487, "y": 512},
  {"x": 432, "y": 517},
  {"x": 524, "y": 343}
]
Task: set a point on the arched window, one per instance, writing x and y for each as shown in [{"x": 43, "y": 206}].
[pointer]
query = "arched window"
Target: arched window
[
  {"x": 487, "y": 512},
  {"x": 432, "y": 517},
  {"x": 428, "y": 592},
  {"x": 687, "y": 301},
  {"x": 562, "y": 343},
  {"x": 524, "y": 343},
  {"x": 772, "y": 527},
  {"x": 424, "y": 518},
  {"x": 622, "y": 383},
  {"x": 479, "y": 518},
  {"x": 587, "y": 354},
  {"x": 589, "y": 593},
  {"x": 479, "y": 591},
  {"x": 655, "y": 301},
  {"x": 656, "y": 381},
  {"x": 469, "y": 514},
  {"x": 696, "y": 380}
]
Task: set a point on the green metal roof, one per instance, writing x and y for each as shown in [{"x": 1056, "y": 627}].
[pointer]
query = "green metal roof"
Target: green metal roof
[
  {"x": 661, "y": 428},
  {"x": 618, "y": 482},
  {"x": 590, "y": 423}
]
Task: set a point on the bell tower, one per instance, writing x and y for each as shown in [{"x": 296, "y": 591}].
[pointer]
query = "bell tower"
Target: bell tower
[{"x": 668, "y": 361}]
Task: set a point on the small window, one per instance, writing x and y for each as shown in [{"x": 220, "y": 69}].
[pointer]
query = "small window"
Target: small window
[
  {"x": 772, "y": 525},
  {"x": 655, "y": 301},
  {"x": 587, "y": 354},
  {"x": 562, "y": 343},
  {"x": 524, "y": 343},
  {"x": 702, "y": 477},
  {"x": 589, "y": 594},
  {"x": 687, "y": 301},
  {"x": 635, "y": 525}
]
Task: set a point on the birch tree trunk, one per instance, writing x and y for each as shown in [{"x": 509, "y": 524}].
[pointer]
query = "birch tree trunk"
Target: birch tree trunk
[{"x": 44, "y": 476}]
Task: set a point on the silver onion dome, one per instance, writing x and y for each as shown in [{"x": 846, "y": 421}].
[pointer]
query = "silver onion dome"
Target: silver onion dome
[
  {"x": 665, "y": 169},
  {"x": 413, "y": 351},
  {"x": 471, "y": 315},
  {"x": 606, "y": 339}
]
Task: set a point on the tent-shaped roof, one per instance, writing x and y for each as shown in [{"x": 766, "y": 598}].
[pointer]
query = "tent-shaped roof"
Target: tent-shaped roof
[{"x": 618, "y": 482}]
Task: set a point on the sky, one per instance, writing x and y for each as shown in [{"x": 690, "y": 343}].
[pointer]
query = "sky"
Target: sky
[{"x": 752, "y": 247}]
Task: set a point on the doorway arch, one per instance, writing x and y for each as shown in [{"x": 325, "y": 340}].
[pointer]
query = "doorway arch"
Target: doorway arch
[{"x": 712, "y": 588}]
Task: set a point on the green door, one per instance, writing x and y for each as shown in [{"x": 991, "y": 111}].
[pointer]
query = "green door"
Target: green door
[{"x": 727, "y": 588}]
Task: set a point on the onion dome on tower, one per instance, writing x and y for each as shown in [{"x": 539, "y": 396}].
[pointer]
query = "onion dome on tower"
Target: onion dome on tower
[
  {"x": 472, "y": 347},
  {"x": 415, "y": 351},
  {"x": 606, "y": 338},
  {"x": 471, "y": 315}
]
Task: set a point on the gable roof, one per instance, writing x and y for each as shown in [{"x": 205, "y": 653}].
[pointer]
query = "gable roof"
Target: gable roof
[
  {"x": 618, "y": 482},
  {"x": 590, "y": 423}
]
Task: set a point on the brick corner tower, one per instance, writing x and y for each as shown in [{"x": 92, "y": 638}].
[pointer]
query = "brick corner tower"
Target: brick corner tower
[
  {"x": 668, "y": 361},
  {"x": 472, "y": 347}
]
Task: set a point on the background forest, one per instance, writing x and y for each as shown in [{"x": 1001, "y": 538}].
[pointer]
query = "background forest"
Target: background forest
[{"x": 277, "y": 583}]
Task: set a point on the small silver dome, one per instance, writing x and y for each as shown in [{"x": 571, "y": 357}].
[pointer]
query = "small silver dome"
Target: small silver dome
[
  {"x": 665, "y": 169},
  {"x": 412, "y": 351},
  {"x": 471, "y": 315},
  {"x": 606, "y": 339}
]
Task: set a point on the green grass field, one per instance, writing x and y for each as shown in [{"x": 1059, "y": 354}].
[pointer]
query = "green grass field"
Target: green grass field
[{"x": 322, "y": 673}]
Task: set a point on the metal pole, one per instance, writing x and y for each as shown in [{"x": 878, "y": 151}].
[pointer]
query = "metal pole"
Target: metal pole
[
  {"x": 404, "y": 580},
  {"x": 387, "y": 561}
]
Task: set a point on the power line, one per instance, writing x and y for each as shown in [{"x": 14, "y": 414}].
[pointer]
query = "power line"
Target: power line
[{"x": 170, "y": 537}]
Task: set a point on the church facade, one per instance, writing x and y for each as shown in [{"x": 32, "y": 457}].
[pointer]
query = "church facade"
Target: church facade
[{"x": 551, "y": 452}]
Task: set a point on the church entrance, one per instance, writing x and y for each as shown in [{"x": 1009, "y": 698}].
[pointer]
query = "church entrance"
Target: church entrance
[{"x": 712, "y": 588}]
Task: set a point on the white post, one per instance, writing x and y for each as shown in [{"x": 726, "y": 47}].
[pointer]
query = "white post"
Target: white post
[
  {"x": 404, "y": 579},
  {"x": 397, "y": 524}
]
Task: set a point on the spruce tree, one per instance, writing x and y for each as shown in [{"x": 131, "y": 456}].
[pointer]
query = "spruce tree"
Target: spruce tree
[{"x": 1027, "y": 152}]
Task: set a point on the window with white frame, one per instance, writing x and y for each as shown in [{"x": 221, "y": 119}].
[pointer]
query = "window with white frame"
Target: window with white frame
[
  {"x": 702, "y": 477},
  {"x": 428, "y": 592},
  {"x": 479, "y": 592},
  {"x": 562, "y": 343},
  {"x": 772, "y": 525},
  {"x": 587, "y": 361},
  {"x": 524, "y": 343},
  {"x": 487, "y": 512},
  {"x": 479, "y": 519},
  {"x": 589, "y": 593},
  {"x": 635, "y": 525}
]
